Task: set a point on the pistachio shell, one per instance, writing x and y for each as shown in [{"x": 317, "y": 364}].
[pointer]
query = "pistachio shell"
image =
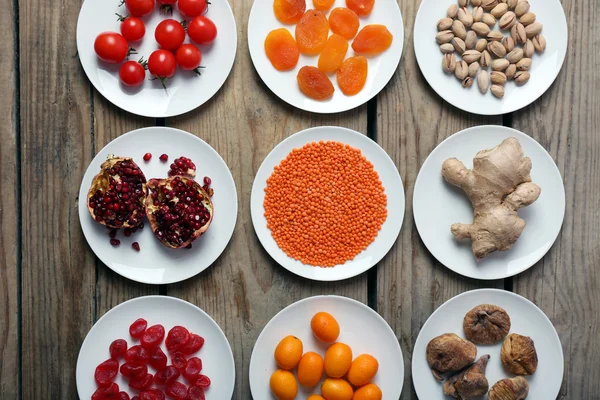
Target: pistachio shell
[
  {"x": 489, "y": 4},
  {"x": 458, "y": 28},
  {"x": 509, "y": 44},
  {"x": 471, "y": 40},
  {"x": 524, "y": 64},
  {"x": 489, "y": 20},
  {"x": 447, "y": 48},
  {"x": 476, "y": 3},
  {"x": 481, "y": 29},
  {"x": 495, "y": 36},
  {"x": 481, "y": 44},
  {"x": 508, "y": 20},
  {"x": 522, "y": 77},
  {"x": 498, "y": 78},
  {"x": 483, "y": 81},
  {"x": 467, "y": 82},
  {"x": 528, "y": 48},
  {"x": 510, "y": 71},
  {"x": 459, "y": 45},
  {"x": 527, "y": 18},
  {"x": 521, "y": 8},
  {"x": 444, "y": 37},
  {"x": 496, "y": 49},
  {"x": 462, "y": 70},
  {"x": 452, "y": 11},
  {"x": 449, "y": 63},
  {"x": 514, "y": 56},
  {"x": 477, "y": 14},
  {"x": 470, "y": 56},
  {"x": 533, "y": 29},
  {"x": 517, "y": 32},
  {"x": 511, "y": 4},
  {"x": 500, "y": 64},
  {"x": 539, "y": 43},
  {"x": 465, "y": 16},
  {"x": 499, "y": 10},
  {"x": 463, "y": 3},
  {"x": 498, "y": 91},
  {"x": 485, "y": 60},
  {"x": 444, "y": 24},
  {"x": 473, "y": 69}
]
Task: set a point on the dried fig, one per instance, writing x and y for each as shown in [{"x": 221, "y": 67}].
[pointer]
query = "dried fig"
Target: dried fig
[
  {"x": 448, "y": 353},
  {"x": 510, "y": 389},
  {"x": 486, "y": 324},
  {"x": 470, "y": 382},
  {"x": 518, "y": 355}
]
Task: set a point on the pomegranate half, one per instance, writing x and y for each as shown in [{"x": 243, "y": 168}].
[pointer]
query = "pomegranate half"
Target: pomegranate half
[
  {"x": 117, "y": 196},
  {"x": 178, "y": 209}
]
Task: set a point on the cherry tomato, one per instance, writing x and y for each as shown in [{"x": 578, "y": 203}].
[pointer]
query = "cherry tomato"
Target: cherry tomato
[
  {"x": 188, "y": 57},
  {"x": 192, "y": 8},
  {"x": 202, "y": 30},
  {"x": 169, "y": 34},
  {"x": 111, "y": 47},
  {"x": 162, "y": 64},
  {"x": 132, "y": 28},
  {"x": 139, "y": 8},
  {"x": 132, "y": 73}
]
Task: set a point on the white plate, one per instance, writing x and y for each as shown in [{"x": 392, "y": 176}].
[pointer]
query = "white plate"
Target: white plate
[
  {"x": 378, "y": 340},
  {"x": 526, "y": 319},
  {"x": 392, "y": 184},
  {"x": 186, "y": 91},
  {"x": 155, "y": 263},
  {"x": 284, "y": 84},
  {"x": 437, "y": 205},
  {"x": 216, "y": 355},
  {"x": 544, "y": 70}
]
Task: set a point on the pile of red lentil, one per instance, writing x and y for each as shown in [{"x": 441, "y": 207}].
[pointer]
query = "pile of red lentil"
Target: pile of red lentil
[{"x": 324, "y": 203}]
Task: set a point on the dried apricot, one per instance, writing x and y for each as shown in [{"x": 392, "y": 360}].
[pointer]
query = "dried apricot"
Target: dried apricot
[
  {"x": 289, "y": 11},
  {"x": 312, "y": 32},
  {"x": 361, "y": 7},
  {"x": 372, "y": 39},
  {"x": 323, "y": 5},
  {"x": 333, "y": 54},
  {"x": 281, "y": 49},
  {"x": 314, "y": 83},
  {"x": 352, "y": 75},
  {"x": 344, "y": 22}
]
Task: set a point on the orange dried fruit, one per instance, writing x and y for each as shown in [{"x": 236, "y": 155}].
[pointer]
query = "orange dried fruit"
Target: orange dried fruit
[
  {"x": 344, "y": 22},
  {"x": 361, "y": 7},
  {"x": 368, "y": 392},
  {"x": 314, "y": 83},
  {"x": 336, "y": 389},
  {"x": 352, "y": 75},
  {"x": 288, "y": 352},
  {"x": 372, "y": 39},
  {"x": 325, "y": 327},
  {"x": 338, "y": 359},
  {"x": 289, "y": 11},
  {"x": 333, "y": 53},
  {"x": 363, "y": 369},
  {"x": 323, "y": 5},
  {"x": 312, "y": 32},
  {"x": 283, "y": 385},
  {"x": 281, "y": 49},
  {"x": 310, "y": 369}
]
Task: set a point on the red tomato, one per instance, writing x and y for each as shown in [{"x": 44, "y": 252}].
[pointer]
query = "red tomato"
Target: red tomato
[
  {"x": 192, "y": 8},
  {"x": 202, "y": 30},
  {"x": 162, "y": 64},
  {"x": 132, "y": 73},
  {"x": 169, "y": 34},
  {"x": 111, "y": 47},
  {"x": 132, "y": 28},
  {"x": 139, "y": 8},
  {"x": 188, "y": 57}
]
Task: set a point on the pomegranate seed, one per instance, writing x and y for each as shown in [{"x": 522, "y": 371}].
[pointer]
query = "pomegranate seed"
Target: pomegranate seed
[
  {"x": 113, "y": 234},
  {"x": 136, "y": 246},
  {"x": 207, "y": 180},
  {"x": 115, "y": 242},
  {"x": 147, "y": 157},
  {"x": 127, "y": 232},
  {"x": 164, "y": 157},
  {"x": 189, "y": 246}
]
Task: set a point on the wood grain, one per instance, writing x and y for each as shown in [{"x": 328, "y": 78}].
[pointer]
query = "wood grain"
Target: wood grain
[
  {"x": 565, "y": 283},
  {"x": 9, "y": 215}
]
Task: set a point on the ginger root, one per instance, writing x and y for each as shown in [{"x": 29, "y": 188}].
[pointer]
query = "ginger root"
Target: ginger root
[{"x": 497, "y": 186}]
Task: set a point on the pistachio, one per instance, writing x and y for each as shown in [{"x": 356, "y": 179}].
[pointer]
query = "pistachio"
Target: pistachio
[
  {"x": 517, "y": 32},
  {"x": 498, "y": 78},
  {"x": 462, "y": 70},
  {"x": 498, "y": 91},
  {"x": 527, "y": 18},
  {"x": 500, "y": 64},
  {"x": 524, "y": 64},
  {"x": 477, "y": 14},
  {"x": 495, "y": 36},
  {"x": 471, "y": 40},
  {"x": 467, "y": 82},
  {"x": 483, "y": 81},
  {"x": 476, "y": 3},
  {"x": 528, "y": 48},
  {"x": 508, "y": 20},
  {"x": 489, "y": 20},
  {"x": 449, "y": 63},
  {"x": 509, "y": 44},
  {"x": 515, "y": 56},
  {"x": 481, "y": 29},
  {"x": 497, "y": 49},
  {"x": 444, "y": 24},
  {"x": 459, "y": 45},
  {"x": 473, "y": 69},
  {"x": 485, "y": 59},
  {"x": 480, "y": 45},
  {"x": 447, "y": 48},
  {"x": 511, "y": 4},
  {"x": 464, "y": 16},
  {"x": 489, "y": 4},
  {"x": 533, "y": 29},
  {"x": 499, "y": 10},
  {"x": 470, "y": 56},
  {"x": 458, "y": 28},
  {"x": 521, "y": 8},
  {"x": 522, "y": 77},
  {"x": 463, "y": 3},
  {"x": 444, "y": 37},
  {"x": 539, "y": 43},
  {"x": 452, "y": 11},
  {"x": 510, "y": 71}
]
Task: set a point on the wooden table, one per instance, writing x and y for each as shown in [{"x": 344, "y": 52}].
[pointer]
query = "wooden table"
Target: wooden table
[{"x": 53, "y": 289}]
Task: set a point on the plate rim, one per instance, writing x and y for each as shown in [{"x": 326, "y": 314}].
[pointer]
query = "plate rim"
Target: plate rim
[
  {"x": 554, "y": 334},
  {"x": 563, "y": 55},
  {"x": 555, "y": 171},
  {"x": 161, "y": 297},
  {"x": 81, "y": 198},
  {"x": 375, "y": 260}
]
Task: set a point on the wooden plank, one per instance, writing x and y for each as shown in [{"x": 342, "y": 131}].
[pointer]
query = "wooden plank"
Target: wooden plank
[
  {"x": 245, "y": 288},
  {"x": 58, "y": 272},
  {"x": 411, "y": 121},
  {"x": 565, "y": 283},
  {"x": 9, "y": 241}
]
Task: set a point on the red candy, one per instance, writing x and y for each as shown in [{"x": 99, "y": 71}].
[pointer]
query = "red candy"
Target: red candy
[
  {"x": 152, "y": 394},
  {"x": 195, "y": 393},
  {"x": 153, "y": 336},
  {"x": 123, "y": 396},
  {"x": 142, "y": 383},
  {"x": 134, "y": 371},
  {"x": 117, "y": 348},
  {"x": 137, "y": 355},
  {"x": 158, "y": 359},
  {"x": 179, "y": 361},
  {"x": 106, "y": 392},
  {"x": 203, "y": 381},
  {"x": 192, "y": 369},
  {"x": 136, "y": 330},
  {"x": 177, "y": 338},
  {"x": 193, "y": 345},
  {"x": 166, "y": 376},
  {"x": 106, "y": 372},
  {"x": 177, "y": 390}
]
